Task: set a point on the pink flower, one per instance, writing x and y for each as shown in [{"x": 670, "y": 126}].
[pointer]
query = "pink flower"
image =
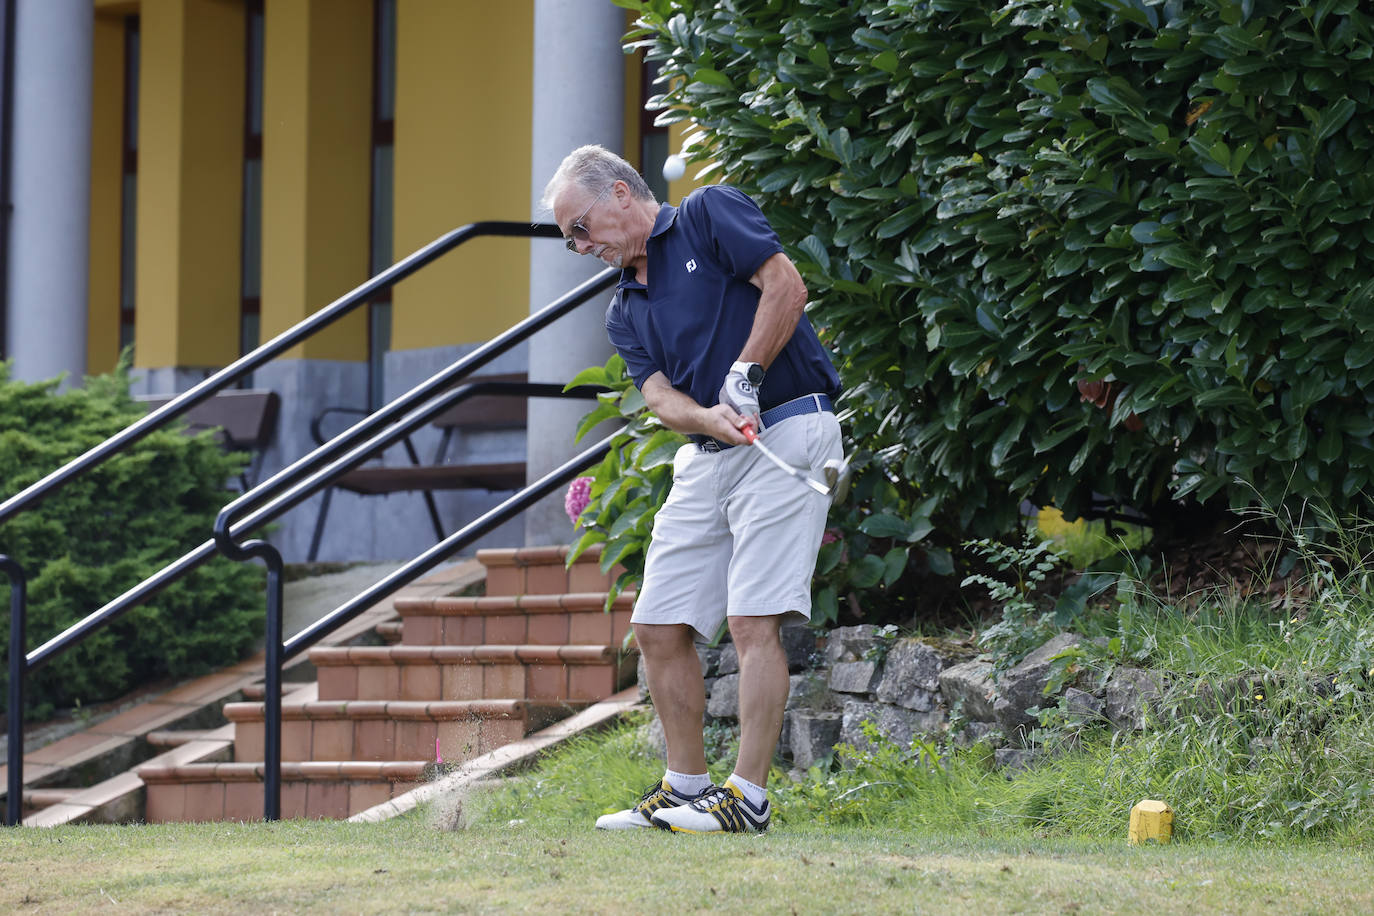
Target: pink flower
[
  {"x": 829, "y": 537},
  {"x": 579, "y": 495}
]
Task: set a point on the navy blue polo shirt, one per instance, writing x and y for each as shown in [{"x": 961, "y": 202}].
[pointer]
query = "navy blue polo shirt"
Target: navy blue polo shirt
[{"x": 694, "y": 318}]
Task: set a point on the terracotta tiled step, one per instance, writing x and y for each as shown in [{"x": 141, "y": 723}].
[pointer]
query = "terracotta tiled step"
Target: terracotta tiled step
[
  {"x": 390, "y": 632},
  {"x": 471, "y": 672},
  {"x": 234, "y": 791},
  {"x": 542, "y": 571},
  {"x": 544, "y": 620},
  {"x": 391, "y": 730}
]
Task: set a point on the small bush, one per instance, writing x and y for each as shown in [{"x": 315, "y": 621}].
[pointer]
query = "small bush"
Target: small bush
[{"x": 106, "y": 531}]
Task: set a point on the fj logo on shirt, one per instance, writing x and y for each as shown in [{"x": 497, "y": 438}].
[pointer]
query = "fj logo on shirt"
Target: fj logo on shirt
[{"x": 691, "y": 265}]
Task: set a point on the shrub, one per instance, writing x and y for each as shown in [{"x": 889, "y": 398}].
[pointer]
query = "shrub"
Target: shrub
[
  {"x": 631, "y": 482},
  {"x": 104, "y": 532},
  {"x": 1061, "y": 249}
]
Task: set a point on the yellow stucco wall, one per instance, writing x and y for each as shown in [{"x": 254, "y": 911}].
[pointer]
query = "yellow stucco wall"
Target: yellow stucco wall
[
  {"x": 464, "y": 86},
  {"x": 107, "y": 171},
  {"x": 317, "y": 148},
  {"x": 190, "y": 178}
]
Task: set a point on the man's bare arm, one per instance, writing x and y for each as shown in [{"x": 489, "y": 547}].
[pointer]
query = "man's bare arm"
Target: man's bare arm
[
  {"x": 782, "y": 302},
  {"x": 679, "y": 412}
]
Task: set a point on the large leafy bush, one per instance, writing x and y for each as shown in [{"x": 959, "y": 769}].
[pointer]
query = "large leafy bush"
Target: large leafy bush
[
  {"x": 91, "y": 540},
  {"x": 1062, "y": 250}
]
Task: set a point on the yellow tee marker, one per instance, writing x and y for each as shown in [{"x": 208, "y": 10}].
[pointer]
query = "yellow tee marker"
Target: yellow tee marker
[{"x": 1151, "y": 820}]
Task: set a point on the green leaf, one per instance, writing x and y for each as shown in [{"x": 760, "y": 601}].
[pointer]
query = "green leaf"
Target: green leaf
[
  {"x": 885, "y": 525},
  {"x": 711, "y": 77},
  {"x": 867, "y": 571},
  {"x": 899, "y": 222},
  {"x": 940, "y": 561},
  {"x": 894, "y": 563},
  {"x": 886, "y": 61},
  {"x": 600, "y": 414}
]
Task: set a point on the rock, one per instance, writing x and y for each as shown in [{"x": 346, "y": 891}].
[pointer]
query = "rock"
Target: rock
[
  {"x": 813, "y": 735},
  {"x": 653, "y": 737},
  {"x": 710, "y": 660},
  {"x": 855, "y": 677},
  {"x": 894, "y": 723},
  {"x": 911, "y": 676},
  {"x": 1023, "y": 687},
  {"x": 849, "y": 644},
  {"x": 969, "y": 687},
  {"x": 799, "y": 642},
  {"x": 1012, "y": 759},
  {"x": 976, "y": 731},
  {"x": 1083, "y": 705},
  {"x": 724, "y": 701},
  {"x": 1128, "y": 696},
  {"x": 810, "y": 690},
  {"x": 728, "y": 662}
]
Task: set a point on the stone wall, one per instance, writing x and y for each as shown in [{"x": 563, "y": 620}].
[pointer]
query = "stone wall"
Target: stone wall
[{"x": 910, "y": 688}]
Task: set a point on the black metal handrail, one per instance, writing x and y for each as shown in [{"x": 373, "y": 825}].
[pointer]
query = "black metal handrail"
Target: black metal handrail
[
  {"x": 21, "y": 664},
  {"x": 273, "y": 348}
]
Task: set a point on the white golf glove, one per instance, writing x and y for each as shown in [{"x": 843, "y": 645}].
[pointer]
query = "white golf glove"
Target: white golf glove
[{"x": 741, "y": 390}]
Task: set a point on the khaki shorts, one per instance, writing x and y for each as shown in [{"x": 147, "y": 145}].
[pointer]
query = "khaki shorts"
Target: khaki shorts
[{"x": 737, "y": 536}]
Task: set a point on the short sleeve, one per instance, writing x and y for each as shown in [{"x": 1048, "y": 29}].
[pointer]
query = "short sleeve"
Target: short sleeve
[
  {"x": 637, "y": 360},
  {"x": 740, "y": 233}
]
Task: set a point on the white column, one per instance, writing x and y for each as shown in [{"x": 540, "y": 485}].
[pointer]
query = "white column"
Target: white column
[
  {"x": 49, "y": 244},
  {"x": 579, "y": 98}
]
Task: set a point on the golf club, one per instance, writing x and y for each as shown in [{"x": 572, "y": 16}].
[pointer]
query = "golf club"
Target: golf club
[{"x": 838, "y": 472}]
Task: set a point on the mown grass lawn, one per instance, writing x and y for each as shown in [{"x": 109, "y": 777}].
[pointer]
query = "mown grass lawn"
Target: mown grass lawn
[{"x": 409, "y": 866}]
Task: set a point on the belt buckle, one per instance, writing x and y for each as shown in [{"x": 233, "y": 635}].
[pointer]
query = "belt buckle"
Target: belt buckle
[{"x": 710, "y": 445}]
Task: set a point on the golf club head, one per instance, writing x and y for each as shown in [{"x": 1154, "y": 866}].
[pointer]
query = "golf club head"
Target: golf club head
[{"x": 837, "y": 475}]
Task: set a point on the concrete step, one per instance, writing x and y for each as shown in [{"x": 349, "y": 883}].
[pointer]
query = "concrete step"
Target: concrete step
[
  {"x": 35, "y": 800},
  {"x": 576, "y": 618},
  {"x": 177, "y": 737},
  {"x": 389, "y": 632},
  {"x": 314, "y": 789},
  {"x": 372, "y": 730},
  {"x": 528, "y": 672},
  {"x": 544, "y": 571}
]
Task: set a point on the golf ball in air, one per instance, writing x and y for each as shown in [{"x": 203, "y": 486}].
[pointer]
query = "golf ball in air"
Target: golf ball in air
[{"x": 674, "y": 167}]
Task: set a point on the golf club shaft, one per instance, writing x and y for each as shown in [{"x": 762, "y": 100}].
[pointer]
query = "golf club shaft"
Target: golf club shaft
[{"x": 754, "y": 440}]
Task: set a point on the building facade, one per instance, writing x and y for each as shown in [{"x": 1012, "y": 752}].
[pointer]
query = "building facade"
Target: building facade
[{"x": 191, "y": 178}]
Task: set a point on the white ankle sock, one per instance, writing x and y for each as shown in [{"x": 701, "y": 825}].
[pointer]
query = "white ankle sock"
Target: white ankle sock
[
  {"x": 687, "y": 784},
  {"x": 755, "y": 795}
]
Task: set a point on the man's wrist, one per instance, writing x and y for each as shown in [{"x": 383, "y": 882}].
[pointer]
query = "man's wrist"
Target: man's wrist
[{"x": 751, "y": 371}]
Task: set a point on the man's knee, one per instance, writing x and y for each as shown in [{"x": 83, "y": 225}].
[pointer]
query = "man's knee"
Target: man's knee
[
  {"x": 753, "y": 635},
  {"x": 658, "y": 640}
]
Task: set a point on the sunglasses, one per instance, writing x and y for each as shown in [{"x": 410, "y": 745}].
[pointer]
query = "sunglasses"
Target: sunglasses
[{"x": 577, "y": 232}]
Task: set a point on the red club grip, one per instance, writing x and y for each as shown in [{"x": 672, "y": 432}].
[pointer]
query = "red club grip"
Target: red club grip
[{"x": 748, "y": 431}]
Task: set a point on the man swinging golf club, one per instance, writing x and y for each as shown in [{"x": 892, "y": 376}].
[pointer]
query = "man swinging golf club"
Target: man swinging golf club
[{"x": 709, "y": 317}]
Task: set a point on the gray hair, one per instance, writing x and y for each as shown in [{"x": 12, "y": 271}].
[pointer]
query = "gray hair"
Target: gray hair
[{"x": 595, "y": 169}]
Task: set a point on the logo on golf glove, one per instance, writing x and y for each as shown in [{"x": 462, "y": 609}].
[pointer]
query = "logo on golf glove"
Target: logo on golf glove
[{"x": 740, "y": 391}]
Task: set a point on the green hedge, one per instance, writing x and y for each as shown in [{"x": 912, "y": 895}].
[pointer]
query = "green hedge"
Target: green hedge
[
  {"x": 91, "y": 540},
  {"x": 1062, "y": 248}
]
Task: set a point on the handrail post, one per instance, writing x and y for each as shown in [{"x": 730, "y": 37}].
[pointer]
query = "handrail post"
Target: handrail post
[
  {"x": 14, "y": 799},
  {"x": 271, "y": 777}
]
